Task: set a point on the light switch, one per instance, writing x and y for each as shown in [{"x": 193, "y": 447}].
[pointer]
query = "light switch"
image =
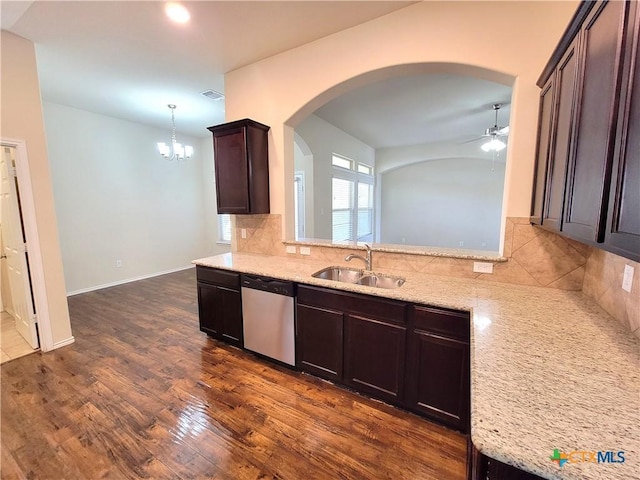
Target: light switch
[
  {"x": 305, "y": 251},
  {"x": 627, "y": 278},
  {"x": 291, "y": 249},
  {"x": 243, "y": 232}
]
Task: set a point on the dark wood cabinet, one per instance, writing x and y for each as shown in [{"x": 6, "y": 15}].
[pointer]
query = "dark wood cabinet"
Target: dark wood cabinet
[
  {"x": 241, "y": 157},
  {"x": 320, "y": 341},
  {"x": 375, "y": 356},
  {"x": 437, "y": 374},
  {"x": 220, "y": 304},
  {"x": 598, "y": 93},
  {"x": 623, "y": 229},
  {"x": 561, "y": 134},
  {"x": 542, "y": 151},
  {"x": 485, "y": 468},
  {"x": 587, "y": 173},
  {"x": 357, "y": 340},
  {"x": 412, "y": 356}
]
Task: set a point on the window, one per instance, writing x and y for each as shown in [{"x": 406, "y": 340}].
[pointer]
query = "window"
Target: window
[
  {"x": 224, "y": 228},
  {"x": 366, "y": 169},
  {"x": 343, "y": 208},
  {"x": 352, "y": 200},
  {"x": 342, "y": 162},
  {"x": 365, "y": 212}
]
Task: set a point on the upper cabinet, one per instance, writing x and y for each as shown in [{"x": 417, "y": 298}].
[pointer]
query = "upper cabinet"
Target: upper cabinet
[
  {"x": 622, "y": 235},
  {"x": 241, "y": 153},
  {"x": 587, "y": 172}
]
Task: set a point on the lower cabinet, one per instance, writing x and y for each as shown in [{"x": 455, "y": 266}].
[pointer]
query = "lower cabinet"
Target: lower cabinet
[
  {"x": 353, "y": 339},
  {"x": 319, "y": 341},
  {"x": 485, "y": 468},
  {"x": 437, "y": 375},
  {"x": 412, "y": 356},
  {"x": 375, "y": 356},
  {"x": 220, "y": 304}
]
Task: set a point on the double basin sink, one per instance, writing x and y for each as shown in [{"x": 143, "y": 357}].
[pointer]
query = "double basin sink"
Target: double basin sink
[{"x": 359, "y": 277}]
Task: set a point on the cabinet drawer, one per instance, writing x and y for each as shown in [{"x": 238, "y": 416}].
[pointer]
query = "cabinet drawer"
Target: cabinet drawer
[
  {"x": 446, "y": 322},
  {"x": 218, "y": 277},
  {"x": 382, "y": 309}
]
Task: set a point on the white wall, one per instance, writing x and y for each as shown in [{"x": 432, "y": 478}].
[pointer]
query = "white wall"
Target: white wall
[
  {"x": 21, "y": 119},
  {"x": 443, "y": 202},
  {"x": 324, "y": 139},
  {"x": 303, "y": 160},
  {"x": 210, "y": 220},
  {"x": 116, "y": 198},
  {"x": 281, "y": 90}
]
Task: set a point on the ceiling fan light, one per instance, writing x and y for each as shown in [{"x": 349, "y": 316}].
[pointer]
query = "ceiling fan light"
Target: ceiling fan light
[{"x": 493, "y": 144}]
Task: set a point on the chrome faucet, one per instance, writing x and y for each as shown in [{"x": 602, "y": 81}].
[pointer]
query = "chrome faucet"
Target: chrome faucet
[{"x": 367, "y": 261}]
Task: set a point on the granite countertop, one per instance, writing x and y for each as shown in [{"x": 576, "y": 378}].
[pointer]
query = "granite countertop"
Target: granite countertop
[
  {"x": 464, "y": 253},
  {"x": 549, "y": 368}
]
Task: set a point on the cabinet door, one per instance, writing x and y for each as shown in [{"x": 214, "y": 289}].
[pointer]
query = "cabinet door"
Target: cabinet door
[
  {"x": 230, "y": 313},
  {"x": 320, "y": 342},
  {"x": 210, "y": 320},
  {"x": 623, "y": 232},
  {"x": 491, "y": 469},
  {"x": 589, "y": 172},
  {"x": 542, "y": 154},
  {"x": 438, "y": 378},
  {"x": 375, "y": 357},
  {"x": 232, "y": 187},
  {"x": 561, "y": 139}
]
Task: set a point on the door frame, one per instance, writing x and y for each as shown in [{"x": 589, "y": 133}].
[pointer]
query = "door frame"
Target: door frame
[{"x": 36, "y": 267}]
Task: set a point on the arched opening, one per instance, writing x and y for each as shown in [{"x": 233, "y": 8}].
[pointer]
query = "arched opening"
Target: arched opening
[{"x": 398, "y": 124}]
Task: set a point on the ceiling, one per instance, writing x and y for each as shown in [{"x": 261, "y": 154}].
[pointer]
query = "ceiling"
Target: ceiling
[
  {"x": 419, "y": 109},
  {"x": 125, "y": 59}
]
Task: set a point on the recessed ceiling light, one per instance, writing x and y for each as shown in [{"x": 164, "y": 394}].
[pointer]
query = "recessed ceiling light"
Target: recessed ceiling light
[{"x": 177, "y": 13}]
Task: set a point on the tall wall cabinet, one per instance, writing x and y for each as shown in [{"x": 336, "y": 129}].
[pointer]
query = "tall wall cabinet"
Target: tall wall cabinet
[{"x": 587, "y": 176}]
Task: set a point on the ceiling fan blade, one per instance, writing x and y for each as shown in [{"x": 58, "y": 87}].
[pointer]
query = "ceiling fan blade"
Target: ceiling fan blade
[
  {"x": 504, "y": 130},
  {"x": 482, "y": 137}
]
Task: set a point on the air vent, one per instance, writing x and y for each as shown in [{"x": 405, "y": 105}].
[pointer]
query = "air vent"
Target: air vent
[{"x": 212, "y": 94}]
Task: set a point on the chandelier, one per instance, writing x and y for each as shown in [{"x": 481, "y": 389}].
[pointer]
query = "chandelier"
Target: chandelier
[{"x": 175, "y": 151}]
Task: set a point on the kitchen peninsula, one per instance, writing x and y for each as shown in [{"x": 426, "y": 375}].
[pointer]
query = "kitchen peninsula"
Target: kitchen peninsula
[{"x": 549, "y": 369}]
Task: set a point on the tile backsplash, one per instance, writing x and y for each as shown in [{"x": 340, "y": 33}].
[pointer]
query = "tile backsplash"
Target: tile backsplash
[
  {"x": 534, "y": 256},
  {"x": 603, "y": 283}
]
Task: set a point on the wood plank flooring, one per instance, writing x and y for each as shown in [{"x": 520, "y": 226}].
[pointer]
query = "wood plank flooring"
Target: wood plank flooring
[{"x": 142, "y": 393}]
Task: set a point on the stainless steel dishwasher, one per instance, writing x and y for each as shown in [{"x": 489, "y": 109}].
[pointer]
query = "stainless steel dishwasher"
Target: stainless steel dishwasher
[{"x": 268, "y": 317}]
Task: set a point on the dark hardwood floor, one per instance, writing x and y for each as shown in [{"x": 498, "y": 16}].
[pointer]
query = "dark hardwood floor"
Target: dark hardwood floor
[{"x": 142, "y": 393}]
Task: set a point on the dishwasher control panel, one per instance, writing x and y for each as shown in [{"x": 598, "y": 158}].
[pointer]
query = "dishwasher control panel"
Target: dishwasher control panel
[{"x": 270, "y": 285}]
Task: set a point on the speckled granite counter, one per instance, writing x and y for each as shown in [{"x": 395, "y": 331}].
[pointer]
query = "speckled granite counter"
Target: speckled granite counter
[
  {"x": 549, "y": 368},
  {"x": 465, "y": 253}
]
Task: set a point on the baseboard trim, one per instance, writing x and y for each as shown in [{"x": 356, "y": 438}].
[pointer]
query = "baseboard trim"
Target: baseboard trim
[
  {"x": 128, "y": 280},
  {"x": 64, "y": 343}
]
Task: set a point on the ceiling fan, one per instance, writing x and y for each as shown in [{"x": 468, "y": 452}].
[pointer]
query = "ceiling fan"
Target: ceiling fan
[{"x": 493, "y": 134}]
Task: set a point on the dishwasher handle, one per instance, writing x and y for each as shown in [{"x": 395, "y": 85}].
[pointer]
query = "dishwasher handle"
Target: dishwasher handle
[{"x": 270, "y": 285}]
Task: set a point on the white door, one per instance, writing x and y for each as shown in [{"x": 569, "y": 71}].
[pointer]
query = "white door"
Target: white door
[{"x": 15, "y": 250}]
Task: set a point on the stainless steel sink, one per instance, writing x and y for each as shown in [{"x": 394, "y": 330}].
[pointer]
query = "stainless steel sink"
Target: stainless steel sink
[
  {"x": 359, "y": 277},
  {"x": 340, "y": 274},
  {"x": 381, "y": 281}
]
